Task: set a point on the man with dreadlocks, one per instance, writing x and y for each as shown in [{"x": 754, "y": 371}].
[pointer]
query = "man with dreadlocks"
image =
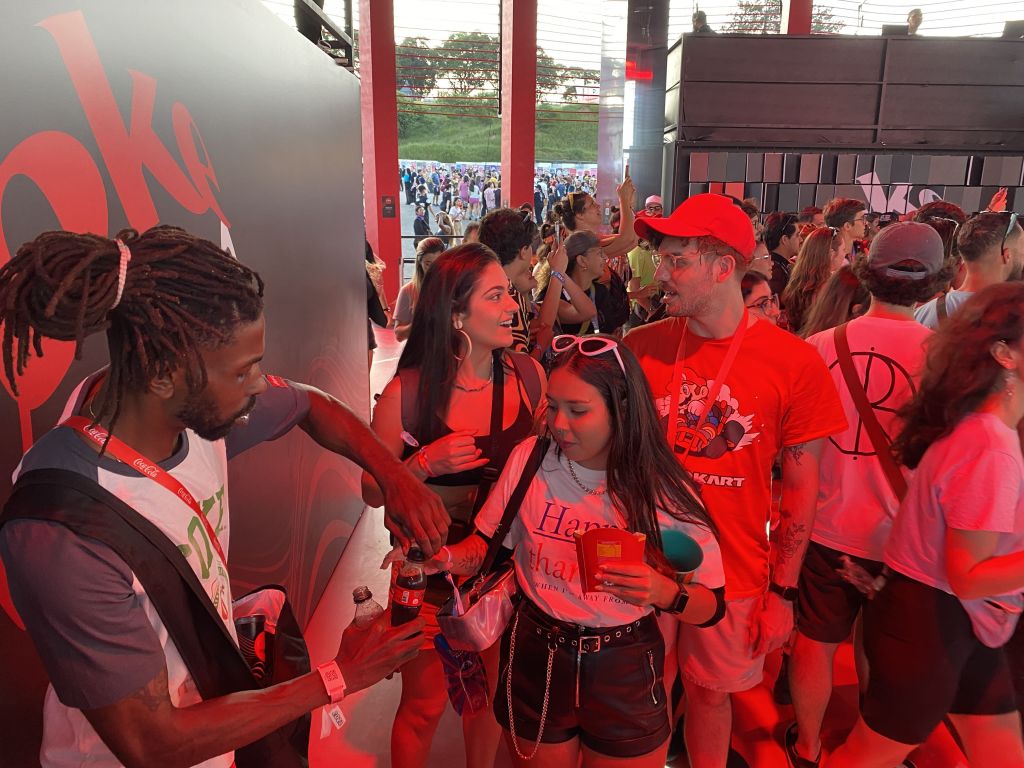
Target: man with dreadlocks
[{"x": 183, "y": 393}]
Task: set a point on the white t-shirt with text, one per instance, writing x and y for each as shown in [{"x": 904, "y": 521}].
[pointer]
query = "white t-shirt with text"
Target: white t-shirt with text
[{"x": 545, "y": 551}]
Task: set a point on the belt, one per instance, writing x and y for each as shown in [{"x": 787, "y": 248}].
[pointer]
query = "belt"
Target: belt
[{"x": 578, "y": 637}]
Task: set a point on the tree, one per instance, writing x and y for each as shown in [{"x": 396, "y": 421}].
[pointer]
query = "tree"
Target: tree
[
  {"x": 576, "y": 79},
  {"x": 549, "y": 76},
  {"x": 752, "y": 16},
  {"x": 765, "y": 17},
  {"x": 468, "y": 61},
  {"x": 416, "y": 70}
]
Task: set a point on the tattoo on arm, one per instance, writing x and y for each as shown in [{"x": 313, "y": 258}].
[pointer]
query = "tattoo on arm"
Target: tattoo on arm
[
  {"x": 791, "y": 536},
  {"x": 795, "y": 452},
  {"x": 153, "y": 696}
]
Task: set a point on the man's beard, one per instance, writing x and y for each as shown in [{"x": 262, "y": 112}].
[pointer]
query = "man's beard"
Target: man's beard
[{"x": 199, "y": 414}]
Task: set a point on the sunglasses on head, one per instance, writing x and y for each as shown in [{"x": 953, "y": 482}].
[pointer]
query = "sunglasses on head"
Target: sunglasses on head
[
  {"x": 1011, "y": 223},
  {"x": 590, "y": 346}
]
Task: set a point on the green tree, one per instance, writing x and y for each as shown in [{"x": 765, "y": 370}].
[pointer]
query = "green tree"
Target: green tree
[
  {"x": 468, "y": 61},
  {"x": 549, "y": 76},
  {"x": 765, "y": 17},
  {"x": 575, "y": 79},
  {"x": 416, "y": 69}
]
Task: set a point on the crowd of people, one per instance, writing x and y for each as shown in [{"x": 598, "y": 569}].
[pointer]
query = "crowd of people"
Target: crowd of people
[
  {"x": 805, "y": 423},
  {"x": 448, "y": 198},
  {"x": 790, "y": 362}
]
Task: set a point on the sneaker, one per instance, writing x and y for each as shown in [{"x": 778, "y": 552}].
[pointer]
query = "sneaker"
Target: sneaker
[{"x": 795, "y": 761}]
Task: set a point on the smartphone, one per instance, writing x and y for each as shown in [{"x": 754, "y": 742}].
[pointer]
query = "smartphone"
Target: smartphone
[
  {"x": 625, "y": 173},
  {"x": 558, "y": 234}
]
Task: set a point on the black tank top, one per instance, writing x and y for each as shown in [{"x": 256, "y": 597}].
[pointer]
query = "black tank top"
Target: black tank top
[{"x": 498, "y": 452}]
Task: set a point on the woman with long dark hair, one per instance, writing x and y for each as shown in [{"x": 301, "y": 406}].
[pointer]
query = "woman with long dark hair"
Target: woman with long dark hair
[
  {"x": 455, "y": 380},
  {"x": 934, "y": 634},
  {"x": 819, "y": 257},
  {"x": 582, "y": 672}
]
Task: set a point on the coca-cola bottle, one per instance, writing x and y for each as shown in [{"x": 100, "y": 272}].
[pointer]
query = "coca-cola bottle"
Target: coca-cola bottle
[
  {"x": 408, "y": 588},
  {"x": 368, "y": 610}
]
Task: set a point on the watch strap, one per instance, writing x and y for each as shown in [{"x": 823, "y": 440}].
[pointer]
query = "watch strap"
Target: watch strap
[
  {"x": 786, "y": 593},
  {"x": 679, "y": 604},
  {"x": 334, "y": 681}
]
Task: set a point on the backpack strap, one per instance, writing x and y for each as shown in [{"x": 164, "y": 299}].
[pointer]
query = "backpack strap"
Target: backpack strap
[
  {"x": 526, "y": 370},
  {"x": 940, "y": 309},
  {"x": 879, "y": 440},
  {"x": 206, "y": 647}
]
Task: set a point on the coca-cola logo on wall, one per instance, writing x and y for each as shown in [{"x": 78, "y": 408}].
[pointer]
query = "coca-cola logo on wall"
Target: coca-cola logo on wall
[{"x": 70, "y": 179}]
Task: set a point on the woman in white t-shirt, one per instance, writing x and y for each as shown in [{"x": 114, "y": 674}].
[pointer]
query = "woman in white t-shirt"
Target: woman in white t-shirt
[
  {"x": 934, "y": 635},
  {"x": 582, "y": 672}
]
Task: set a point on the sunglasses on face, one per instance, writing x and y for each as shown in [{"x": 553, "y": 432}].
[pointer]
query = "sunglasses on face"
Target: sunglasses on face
[{"x": 590, "y": 346}]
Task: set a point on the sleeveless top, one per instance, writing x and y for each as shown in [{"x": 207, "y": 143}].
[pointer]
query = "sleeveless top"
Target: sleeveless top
[{"x": 526, "y": 373}]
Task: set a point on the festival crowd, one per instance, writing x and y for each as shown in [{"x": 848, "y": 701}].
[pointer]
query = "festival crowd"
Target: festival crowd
[{"x": 785, "y": 430}]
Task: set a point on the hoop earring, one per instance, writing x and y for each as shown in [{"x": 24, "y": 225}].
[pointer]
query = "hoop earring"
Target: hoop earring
[{"x": 469, "y": 345}]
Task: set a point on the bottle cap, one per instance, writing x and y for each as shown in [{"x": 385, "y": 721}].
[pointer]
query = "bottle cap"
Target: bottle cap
[{"x": 361, "y": 594}]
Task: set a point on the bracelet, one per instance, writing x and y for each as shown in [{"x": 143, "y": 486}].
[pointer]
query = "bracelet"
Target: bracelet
[
  {"x": 334, "y": 681},
  {"x": 421, "y": 460},
  {"x": 558, "y": 276}
]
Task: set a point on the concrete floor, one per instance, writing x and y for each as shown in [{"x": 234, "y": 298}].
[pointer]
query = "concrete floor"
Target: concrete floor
[{"x": 363, "y": 741}]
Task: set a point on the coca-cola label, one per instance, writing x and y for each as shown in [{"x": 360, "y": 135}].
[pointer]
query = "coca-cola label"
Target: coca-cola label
[
  {"x": 145, "y": 467},
  {"x": 407, "y": 597}
]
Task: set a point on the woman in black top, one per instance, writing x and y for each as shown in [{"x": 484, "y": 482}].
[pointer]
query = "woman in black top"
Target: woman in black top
[{"x": 437, "y": 413}]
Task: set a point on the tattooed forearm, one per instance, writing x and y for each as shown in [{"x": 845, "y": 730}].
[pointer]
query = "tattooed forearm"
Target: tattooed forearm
[
  {"x": 792, "y": 535},
  {"x": 795, "y": 452},
  {"x": 468, "y": 555}
]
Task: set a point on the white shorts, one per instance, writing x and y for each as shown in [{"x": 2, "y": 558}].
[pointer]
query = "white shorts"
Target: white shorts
[{"x": 720, "y": 658}]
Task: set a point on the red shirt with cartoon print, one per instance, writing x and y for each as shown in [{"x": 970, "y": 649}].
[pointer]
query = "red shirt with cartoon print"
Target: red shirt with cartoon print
[{"x": 777, "y": 393}]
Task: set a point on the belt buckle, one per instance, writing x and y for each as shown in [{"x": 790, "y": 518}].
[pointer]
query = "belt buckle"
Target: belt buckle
[{"x": 590, "y": 643}]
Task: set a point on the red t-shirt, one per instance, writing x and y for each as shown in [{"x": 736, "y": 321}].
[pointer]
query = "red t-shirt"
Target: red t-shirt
[{"x": 777, "y": 393}]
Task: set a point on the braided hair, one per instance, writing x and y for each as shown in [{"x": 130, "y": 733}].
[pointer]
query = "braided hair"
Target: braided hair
[{"x": 181, "y": 293}]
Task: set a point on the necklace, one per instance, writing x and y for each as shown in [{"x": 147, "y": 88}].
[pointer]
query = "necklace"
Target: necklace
[
  {"x": 485, "y": 385},
  {"x": 591, "y": 491}
]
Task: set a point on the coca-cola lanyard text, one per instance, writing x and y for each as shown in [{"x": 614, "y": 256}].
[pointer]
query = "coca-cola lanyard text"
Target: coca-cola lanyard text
[{"x": 128, "y": 455}]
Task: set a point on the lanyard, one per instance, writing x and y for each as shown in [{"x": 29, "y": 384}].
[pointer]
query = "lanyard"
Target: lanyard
[
  {"x": 677, "y": 383},
  {"x": 128, "y": 455}
]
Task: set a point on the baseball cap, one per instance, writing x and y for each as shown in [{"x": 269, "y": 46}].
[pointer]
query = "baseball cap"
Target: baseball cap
[
  {"x": 652, "y": 200},
  {"x": 704, "y": 215},
  {"x": 907, "y": 241}
]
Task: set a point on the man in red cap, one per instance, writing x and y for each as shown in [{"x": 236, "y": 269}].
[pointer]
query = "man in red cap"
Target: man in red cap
[{"x": 734, "y": 391}]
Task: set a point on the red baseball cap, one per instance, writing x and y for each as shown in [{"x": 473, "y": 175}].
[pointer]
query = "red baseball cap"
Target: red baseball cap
[{"x": 703, "y": 215}]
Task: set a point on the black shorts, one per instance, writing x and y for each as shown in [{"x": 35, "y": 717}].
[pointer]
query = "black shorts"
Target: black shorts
[
  {"x": 828, "y": 603},
  {"x": 622, "y": 709},
  {"x": 925, "y": 662}
]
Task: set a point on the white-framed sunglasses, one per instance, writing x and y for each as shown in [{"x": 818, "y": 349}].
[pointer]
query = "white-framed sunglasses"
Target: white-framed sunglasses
[{"x": 591, "y": 346}]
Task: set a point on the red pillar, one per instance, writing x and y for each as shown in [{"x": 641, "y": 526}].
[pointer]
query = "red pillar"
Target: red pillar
[
  {"x": 798, "y": 17},
  {"x": 518, "y": 100},
  {"x": 380, "y": 136}
]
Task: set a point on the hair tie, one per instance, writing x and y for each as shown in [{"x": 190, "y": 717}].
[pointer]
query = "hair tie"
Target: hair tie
[{"x": 122, "y": 271}]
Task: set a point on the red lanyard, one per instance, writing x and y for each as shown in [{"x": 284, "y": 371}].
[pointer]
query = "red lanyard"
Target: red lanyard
[
  {"x": 677, "y": 384},
  {"x": 128, "y": 455}
]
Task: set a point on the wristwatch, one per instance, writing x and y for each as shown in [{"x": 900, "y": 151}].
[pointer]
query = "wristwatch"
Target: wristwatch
[
  {"x": 786, "y": 593},
  {"x": 679, "y": 603},
  {"x": 334, "y": 681}
]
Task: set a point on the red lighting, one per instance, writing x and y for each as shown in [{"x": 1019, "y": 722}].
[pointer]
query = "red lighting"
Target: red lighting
[{"x": 633, "y": 73}]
